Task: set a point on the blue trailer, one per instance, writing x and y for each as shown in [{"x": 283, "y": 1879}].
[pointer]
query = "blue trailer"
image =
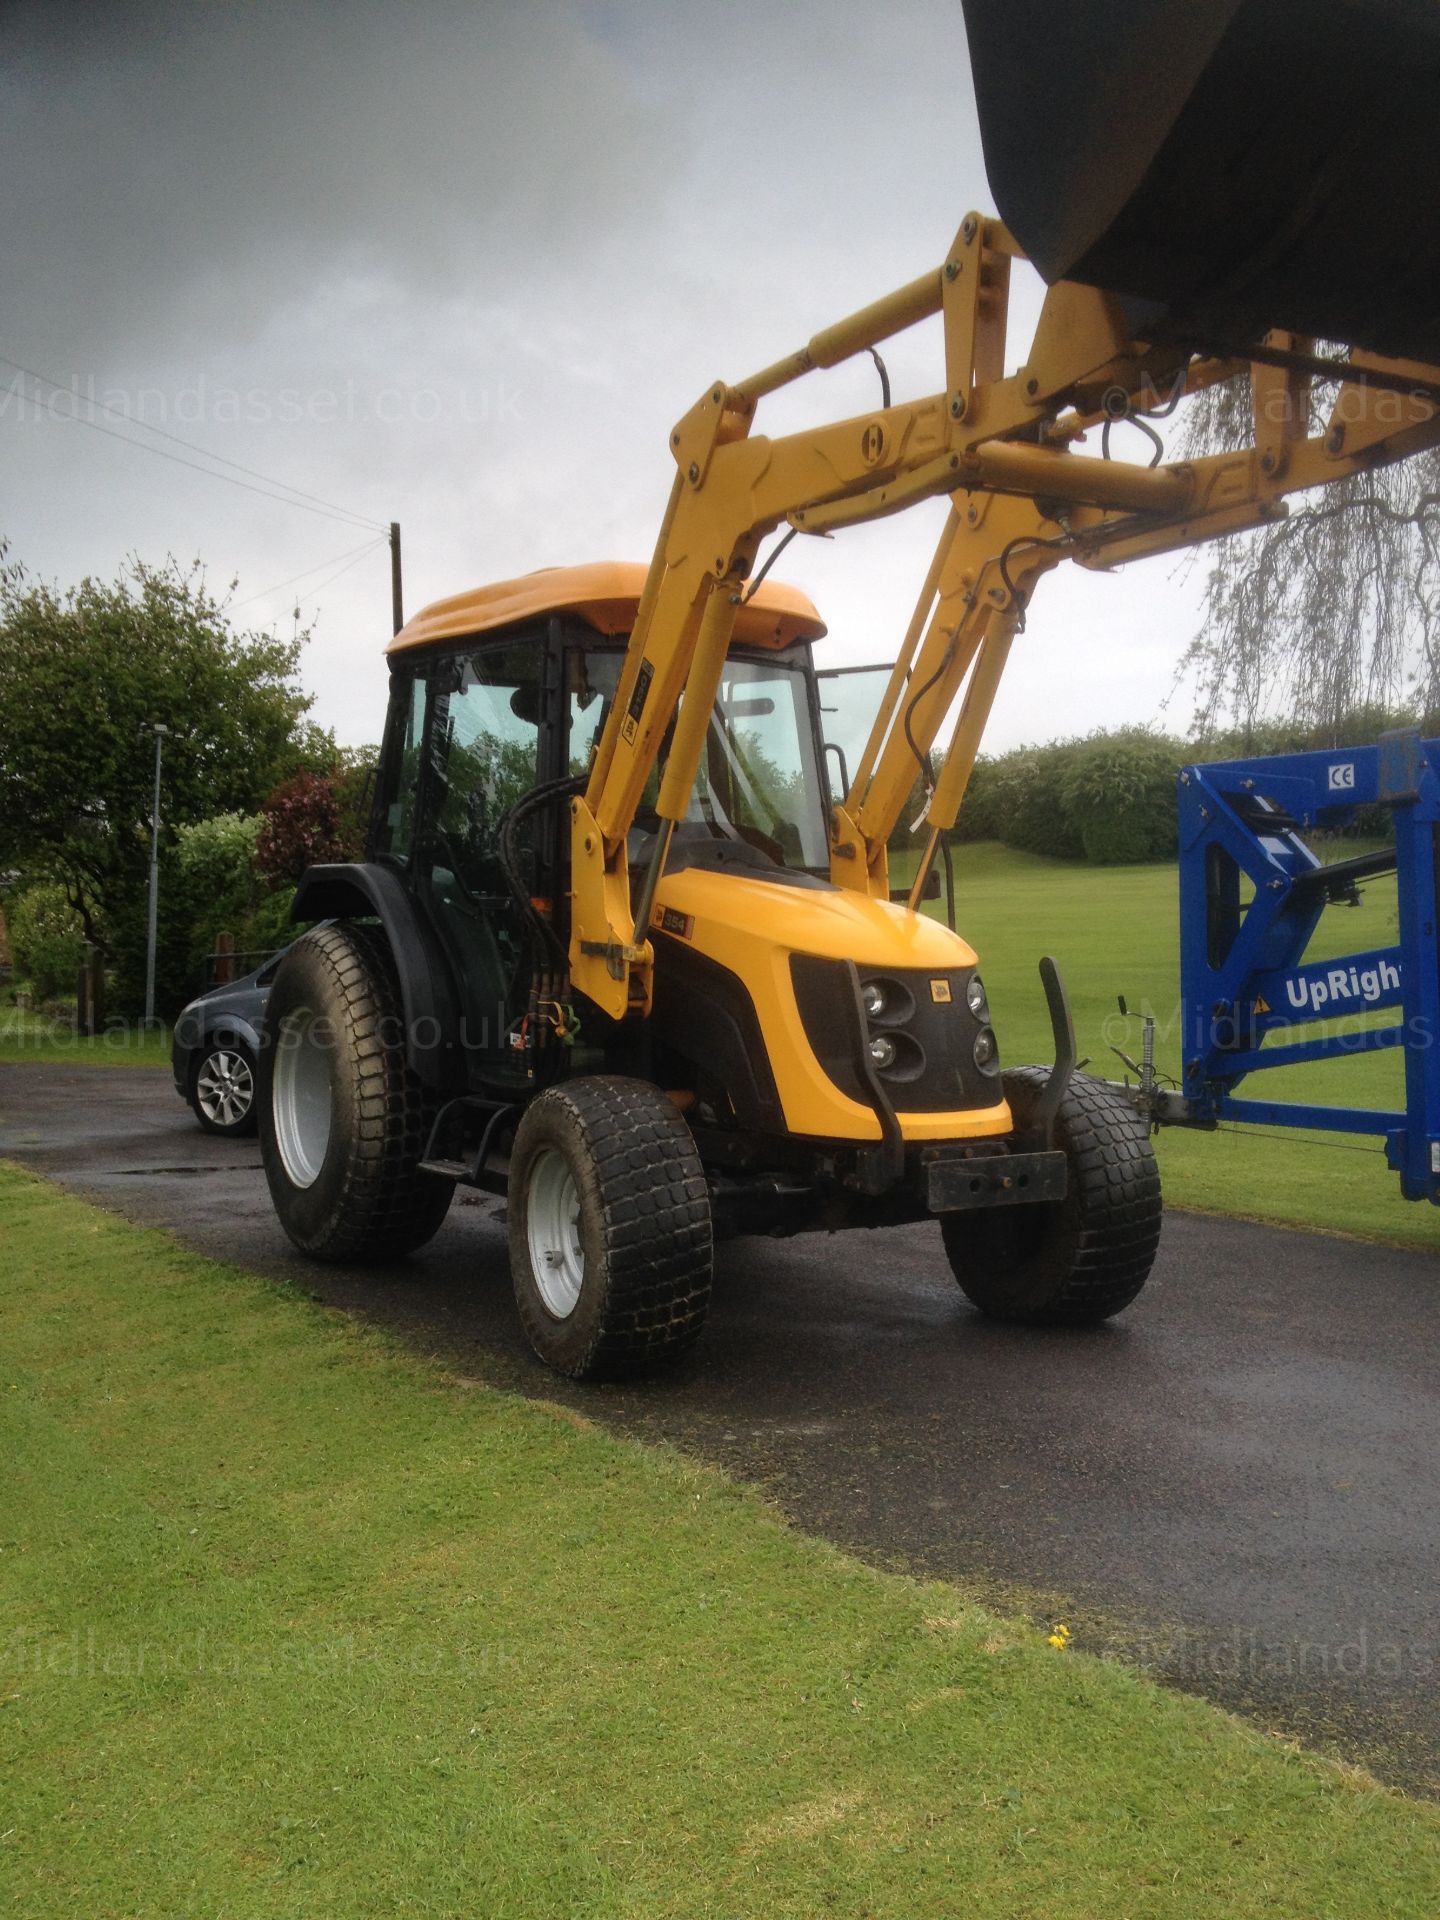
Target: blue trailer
[{"x": 1253, "y": 893}]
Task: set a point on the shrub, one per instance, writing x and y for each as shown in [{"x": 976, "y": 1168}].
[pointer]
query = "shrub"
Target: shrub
[
  {"x": 219, "y": 883},
  {"x": 270, "y": 925},
  {"x": 353, "y": 778},
  {"x": 1118, "y": 793},
  {"x": 1024, "y": 798},
  {"x": 47, "y": 940},
  {"x": 979, "y": 816},
  {"x": 300, "y": 825},
  {"x": 1109, "y": 798}
]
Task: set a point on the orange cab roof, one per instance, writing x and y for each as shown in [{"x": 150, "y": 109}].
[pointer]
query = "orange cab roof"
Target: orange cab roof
[{"x": 605, "y": 595}]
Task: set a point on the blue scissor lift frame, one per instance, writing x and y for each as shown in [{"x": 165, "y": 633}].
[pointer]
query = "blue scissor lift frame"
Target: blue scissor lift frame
[{"x": 1245, "y": 983}]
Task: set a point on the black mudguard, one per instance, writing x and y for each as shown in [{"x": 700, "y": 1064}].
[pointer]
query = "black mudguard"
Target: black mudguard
[{"x": 427, "y": 989}]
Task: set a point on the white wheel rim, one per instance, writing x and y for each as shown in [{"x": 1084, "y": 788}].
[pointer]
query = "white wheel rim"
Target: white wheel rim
[
  {"x": 552, "y": 1230},
  {"x": 225, "y": 1087},
  {"x": 302, "y": 1100}
]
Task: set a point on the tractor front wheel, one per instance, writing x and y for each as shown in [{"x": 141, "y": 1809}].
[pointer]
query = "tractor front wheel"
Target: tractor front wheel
[
  {"x": 1080, "y": 1259},
  {"x": 343, "y": 1120},
  {"x": 609, "y": 1220}
]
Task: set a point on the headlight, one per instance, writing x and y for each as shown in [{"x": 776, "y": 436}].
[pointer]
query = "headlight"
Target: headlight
[
  {"x": 882, "y": 1051},
  {"x": 873, "y": 995},
  {"x": 986, "y": 1052},
  {"x": 975, "y": 996}
]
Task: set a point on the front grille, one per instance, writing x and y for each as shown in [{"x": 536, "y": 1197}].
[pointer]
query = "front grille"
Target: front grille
[{"x": 928, "y": 1020}]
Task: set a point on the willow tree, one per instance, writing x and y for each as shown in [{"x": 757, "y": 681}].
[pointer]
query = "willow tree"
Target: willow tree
[{"x": 1333, "y": 609}]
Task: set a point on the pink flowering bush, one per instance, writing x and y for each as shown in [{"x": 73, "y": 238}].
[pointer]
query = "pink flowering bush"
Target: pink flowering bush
[{"x": 300, "y": 826}]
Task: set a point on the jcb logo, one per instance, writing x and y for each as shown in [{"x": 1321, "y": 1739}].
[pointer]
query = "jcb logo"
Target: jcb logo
[{"x": 1342, "y": 778}]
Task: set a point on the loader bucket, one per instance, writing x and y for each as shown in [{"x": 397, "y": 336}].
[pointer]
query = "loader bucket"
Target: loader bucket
[{"x": 1230, "y": 166}]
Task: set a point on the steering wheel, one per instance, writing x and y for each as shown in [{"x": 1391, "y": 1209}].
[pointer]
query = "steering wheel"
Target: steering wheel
[{"x": 753, "y": 837}]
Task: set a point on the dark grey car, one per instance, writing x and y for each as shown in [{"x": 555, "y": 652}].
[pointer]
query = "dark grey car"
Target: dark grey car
[{"x": 215, "y": 1048}]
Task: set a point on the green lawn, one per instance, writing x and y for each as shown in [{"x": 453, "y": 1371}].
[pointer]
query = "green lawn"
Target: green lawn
[
  {"x": 33, "y": 1036},
  {"x": 293, "y": 1625},
  {"x": 1116, "y": 930}
]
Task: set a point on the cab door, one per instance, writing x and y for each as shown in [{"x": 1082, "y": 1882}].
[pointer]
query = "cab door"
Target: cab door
[{"x": 482, "y": 752}]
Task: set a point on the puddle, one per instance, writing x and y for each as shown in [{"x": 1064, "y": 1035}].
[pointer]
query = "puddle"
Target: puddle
[{"x": 151, "y": 1173}]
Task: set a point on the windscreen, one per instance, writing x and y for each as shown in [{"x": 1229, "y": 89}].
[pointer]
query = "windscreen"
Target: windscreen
[{"x": 758, "y": 780}]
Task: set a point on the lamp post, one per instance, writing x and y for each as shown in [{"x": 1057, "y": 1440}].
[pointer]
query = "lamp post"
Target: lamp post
[{"x": 159, "y": 732}]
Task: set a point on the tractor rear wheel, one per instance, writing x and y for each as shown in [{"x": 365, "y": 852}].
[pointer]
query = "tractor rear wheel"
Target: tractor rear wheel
[
  {"x": 609, "y": 1220},
  {"x": 1079, "y": 1259},
  {"x": 343, "y": 1120}
]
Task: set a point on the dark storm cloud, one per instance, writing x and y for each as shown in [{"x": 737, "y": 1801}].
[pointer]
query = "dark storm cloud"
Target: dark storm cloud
[
  {"x": 464, "y": 265},
  {"x": 179, "y": 170}
]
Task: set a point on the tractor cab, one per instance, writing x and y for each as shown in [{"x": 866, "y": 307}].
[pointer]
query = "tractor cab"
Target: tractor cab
[{"x": 501, "y": 694}]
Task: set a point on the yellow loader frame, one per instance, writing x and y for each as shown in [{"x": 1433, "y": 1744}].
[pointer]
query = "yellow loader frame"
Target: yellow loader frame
[{"x": 1021, "y": 501}]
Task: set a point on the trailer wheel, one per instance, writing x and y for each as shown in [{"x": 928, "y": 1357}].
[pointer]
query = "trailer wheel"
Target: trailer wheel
[
  {"x": 609, "y": 1219},
  {"x": 343, "y": 1120},
  {"x": 1087, "y": 1256}
]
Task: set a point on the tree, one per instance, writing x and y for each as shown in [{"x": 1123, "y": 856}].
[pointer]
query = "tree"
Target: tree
[
  {"x": 1332, "y": 609},
  {"x": 353, "y": 777},
  {"x": 81, "y": 674}
]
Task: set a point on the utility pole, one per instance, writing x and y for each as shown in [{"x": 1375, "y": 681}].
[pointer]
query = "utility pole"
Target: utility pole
[
  {"x": 397, "y": 600},
  {"x": 159, "y": 732}
]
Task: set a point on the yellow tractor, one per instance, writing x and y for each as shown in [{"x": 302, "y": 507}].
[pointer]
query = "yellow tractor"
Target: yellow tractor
[{"x": 625, "y": 946}]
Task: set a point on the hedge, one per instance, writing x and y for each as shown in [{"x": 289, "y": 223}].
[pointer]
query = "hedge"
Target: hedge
[{"x": 1109, "y": 798}]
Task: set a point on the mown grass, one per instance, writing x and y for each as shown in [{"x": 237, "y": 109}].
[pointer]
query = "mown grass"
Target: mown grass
[
  {"x": 1115, "y": 930},
  {"x": 293, "y": 1625},
  {"x": 27, "y": 1036}
]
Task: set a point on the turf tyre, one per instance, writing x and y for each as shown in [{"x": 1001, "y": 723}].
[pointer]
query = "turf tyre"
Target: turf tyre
[
  {"x": 366, "y": 1199},
  {"x": 616, "y": 1157},
  {"x": 1086, "y": 1257}
]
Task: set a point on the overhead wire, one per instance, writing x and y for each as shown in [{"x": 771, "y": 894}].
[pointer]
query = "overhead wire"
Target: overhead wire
[
  {"x": 354, "y": 561},
  {"x": 351, "y": 554},
  {"x": 290, "y": 496}
]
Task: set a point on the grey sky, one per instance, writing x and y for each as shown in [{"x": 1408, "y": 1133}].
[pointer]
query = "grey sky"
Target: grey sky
[{"x": 463, "y": 266}]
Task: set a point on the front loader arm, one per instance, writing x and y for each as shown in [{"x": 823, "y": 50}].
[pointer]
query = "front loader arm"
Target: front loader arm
[{"x": 1000, "y": 446}]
